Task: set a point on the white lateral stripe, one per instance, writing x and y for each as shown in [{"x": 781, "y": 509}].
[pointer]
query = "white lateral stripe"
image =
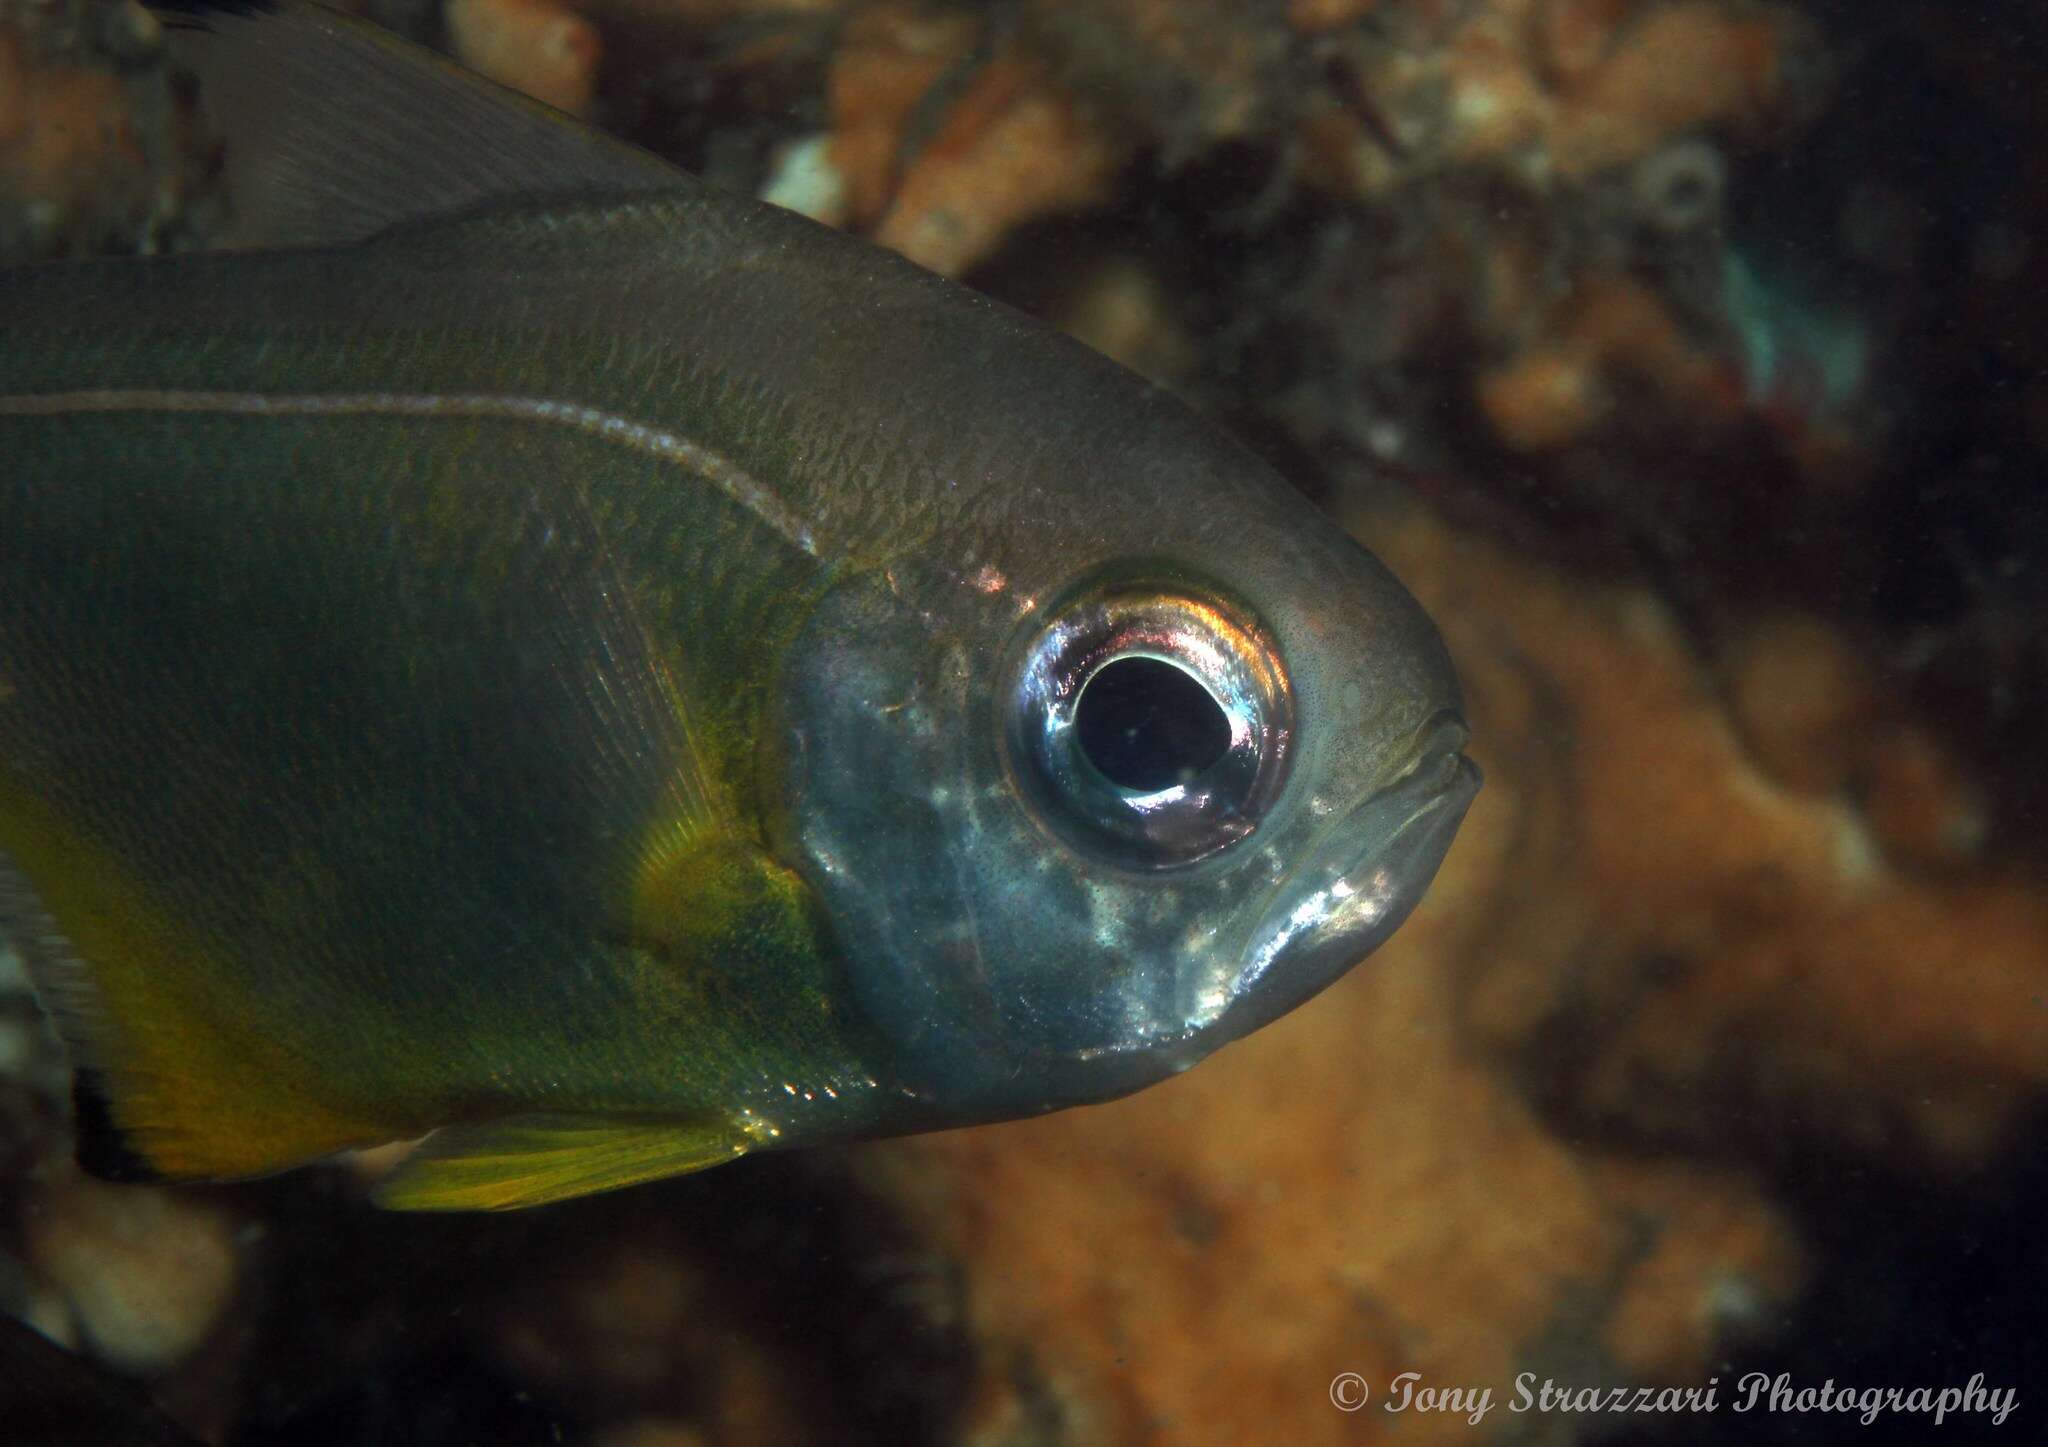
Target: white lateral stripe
[{"x": 715, "y": 468}]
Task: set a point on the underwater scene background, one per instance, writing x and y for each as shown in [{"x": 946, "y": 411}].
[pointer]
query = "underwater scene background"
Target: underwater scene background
[{"x": 1685, "y": 358}]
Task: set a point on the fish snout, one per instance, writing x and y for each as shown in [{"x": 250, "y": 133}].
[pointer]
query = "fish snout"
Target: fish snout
[{"x": 1356, "y": 889}]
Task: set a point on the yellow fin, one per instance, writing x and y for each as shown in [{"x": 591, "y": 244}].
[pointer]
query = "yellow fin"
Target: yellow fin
[
  {"x": 530, "y": 1160},
  {"x": 174, "y": 1078}
]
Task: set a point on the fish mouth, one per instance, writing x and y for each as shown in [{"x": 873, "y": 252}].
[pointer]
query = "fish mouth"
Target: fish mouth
[{"x": 1373, "y": 868}]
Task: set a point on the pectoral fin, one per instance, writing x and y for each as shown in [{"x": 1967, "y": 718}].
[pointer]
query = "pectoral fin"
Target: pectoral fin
[{"x": 531, "y": 1160}]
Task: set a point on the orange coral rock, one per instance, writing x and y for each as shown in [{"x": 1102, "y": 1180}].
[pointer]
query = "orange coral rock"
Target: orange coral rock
[
  {"x": 536, "y": 46},
  {"x": 1575, "y": 36},
  {"x": 699, "y": 13},
  {"x": 1315, "y": 17},
  {"x": 888, "y": 60},
  {"x": 1809, "y": 708},
  {"x": 1800, "y": 696},
  {"x": 1008, "y": 148},
  {"x": 1015, "y": 150},
  {"x": 1497, "y": 104},
  {"x": 1545, "y": 398},
  {"x": 1920, "y": 804},
  {"x": 99, "y": 150},
  {"x": 1697, "y": 1275},
  {"x": 1545, "y": 89},
  {"x": 1726, "y": 955},
  {"x": 1557, "y": 390},
  {"x": 66, "y": 134},
  {"x": 1680, "y": 66}
]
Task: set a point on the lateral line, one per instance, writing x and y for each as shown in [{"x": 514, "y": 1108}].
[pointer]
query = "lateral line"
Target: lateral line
[{"x": 714, "y": 467}]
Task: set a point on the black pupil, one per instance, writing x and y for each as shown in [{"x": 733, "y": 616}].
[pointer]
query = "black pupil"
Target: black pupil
[{"x": 1146, "y": 725}]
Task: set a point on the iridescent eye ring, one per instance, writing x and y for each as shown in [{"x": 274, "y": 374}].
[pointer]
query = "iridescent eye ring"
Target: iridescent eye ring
[{"x": 1151, "y": 725}]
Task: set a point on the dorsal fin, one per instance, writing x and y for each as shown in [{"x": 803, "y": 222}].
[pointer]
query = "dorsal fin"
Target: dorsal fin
[{"x": 336, "y": 130}]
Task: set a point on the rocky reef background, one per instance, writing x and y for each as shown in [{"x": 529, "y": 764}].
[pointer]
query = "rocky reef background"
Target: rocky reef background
[{"x": 1686, "y": 358}]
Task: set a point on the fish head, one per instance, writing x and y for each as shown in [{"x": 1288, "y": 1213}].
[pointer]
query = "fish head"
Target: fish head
[{"x": 1127, "y": 775}]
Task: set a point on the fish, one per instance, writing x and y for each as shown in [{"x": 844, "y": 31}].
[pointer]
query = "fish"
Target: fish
[{"x": 528, "y": 650}]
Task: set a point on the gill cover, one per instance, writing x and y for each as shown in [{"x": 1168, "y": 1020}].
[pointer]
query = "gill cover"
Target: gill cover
[{"x": 1028, "y": 931}]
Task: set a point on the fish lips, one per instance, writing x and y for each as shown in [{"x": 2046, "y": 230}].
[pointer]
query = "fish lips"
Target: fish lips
[{"x": 1372, "y": 870}]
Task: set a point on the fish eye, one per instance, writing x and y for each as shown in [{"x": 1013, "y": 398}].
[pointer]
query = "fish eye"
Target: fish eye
[
  {"x": 1146, "y": 724},
  {"x": 1150, "y": 726}
]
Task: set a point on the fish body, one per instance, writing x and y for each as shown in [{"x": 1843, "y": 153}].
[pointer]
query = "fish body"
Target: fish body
[{"x": 612, "y": 676}]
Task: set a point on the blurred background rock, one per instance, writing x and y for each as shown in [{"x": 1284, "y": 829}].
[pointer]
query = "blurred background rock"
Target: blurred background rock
[{"x": 1685, "y": 357}]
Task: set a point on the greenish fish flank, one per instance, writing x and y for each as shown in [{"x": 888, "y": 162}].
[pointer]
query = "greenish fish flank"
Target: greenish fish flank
[{"x": 615, "y": 676}]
